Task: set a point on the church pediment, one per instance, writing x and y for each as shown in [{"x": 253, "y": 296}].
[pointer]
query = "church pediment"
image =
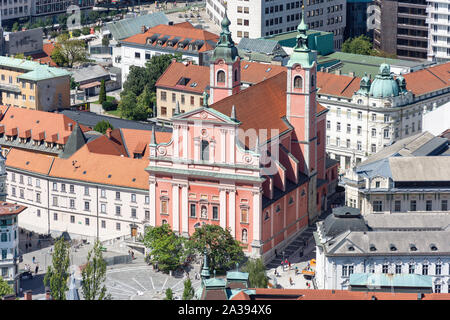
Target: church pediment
[{"x": 205, "y": 114}]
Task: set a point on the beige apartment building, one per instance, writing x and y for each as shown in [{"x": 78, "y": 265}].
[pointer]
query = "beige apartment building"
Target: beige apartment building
[{"x": 31, "y": 85}]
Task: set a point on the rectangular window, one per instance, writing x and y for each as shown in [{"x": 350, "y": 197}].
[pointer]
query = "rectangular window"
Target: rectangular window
[
  {"x": 397, "y": 206},
  {"x": 133, "y": 212},
  {"x": 117, "y": 195},
  {"x": 72, "y": 188},
  {"x": 103, "y": 208},
  {"x": 72, "y": 219},
  {"x": 378, "y": 206},
  {"x": 338, "y": 126},
  {"x": 192, "y": 100},
  {"x": 374, "y": 117},
  {"x": 437, "y": 288},
  {"x": 86, "y": 191},
  {"x": 38, "y": 212},
  {"x": 38, "y": 183},
  {"x": 86, "y": 221},
  {"x": 429, "y": 205},
  {"x": 133, "y": 197},
  {"x": 373, "y": 148},
  {"x": 164, "y": 207},
  {"x": 174, "y": 97},
  {"x": 338, "y": 142},
  {"x": 55, "y": 186},
  {"x": 55, "y": 216},
  {"x": 147, "y": 199},
  {"x": 328, "y": 124},
  {"x": 72, "y": 203},
  {"x": 349, "y": 113},
  {"x": 438, "y": 269},
  {"x": 359, "y": 115},
  {"x": 385, "y": 268},
  {"x": 374, "y": 133},
  {"x": 344, "y": 271},
  {"x": 103, "y": 224},
  {"x": 147, "y": 215},
  {"x": 359, "y": 145},
  {"x": 102, "y": 193},
  {"x": 411, "y": 269},
  {"x": 425, "y": 269},
  {"x": 118, "y": 210},
  {"x": 118, "y": 226},
  {"x": 338, "y": 112},
  {"x": 359, "y": 130},
  {"x": 38, "y": 197},
  {"x": 137, "y": 55},
  {"x": 244, "y": 215},
  {"x": 55, "y": 201},
  {"x": 163, "y": 96},
  {"x": 413, "y": 205},
  {"x": 193, "y": 208},
  {"x": 215, "y": 215},
  {"x": 398, "y": 268},
  {"x": 444, "y": 206},
  {"x": 349, "y": 128},
  {"x": 86, "y": 206}
]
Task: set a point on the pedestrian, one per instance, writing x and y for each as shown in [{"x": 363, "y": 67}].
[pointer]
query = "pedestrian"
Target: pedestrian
[
  {"x": 290, "y": 281},
  {"x": 132, "y": 254},
  {"x": 37, "y": 269},
  {"x": 26, "y": 247},
  {"x": 29, "y": 245},
  {"x": 34, "y": 259},
  {"x": 289, "y": 263},
  {"x": 276, "y": 253}
]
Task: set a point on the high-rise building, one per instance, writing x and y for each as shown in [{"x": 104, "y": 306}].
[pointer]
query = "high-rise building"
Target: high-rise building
[
  {"x": 401, "y": 28},
  {"x": 356, "y": 22},
  {"x": 260, "y": 18},
  {"x": 438, "y": 21}
]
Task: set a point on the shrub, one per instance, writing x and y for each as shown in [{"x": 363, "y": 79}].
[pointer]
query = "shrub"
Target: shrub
[{"x": 109, "y": 105}]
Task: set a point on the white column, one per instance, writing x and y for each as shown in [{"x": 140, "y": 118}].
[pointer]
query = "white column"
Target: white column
[
  {"x": 257, "y": 204},
  {"x": 196, "y": 149},
  {"x": 184, "y": 210},
  {"x": 223, "y": 208},
  {"x": 185, "y": 141},
  {"x": 212, "y": 151},
  {"x": 232, "y": 145},
  {"x": 175, "y": 208},
  {"x": 223, "y": 141},
  {"x": 153, "y": 203},
  {"x": 232, "y": 212},
  {"x": 176, "y": 150}
]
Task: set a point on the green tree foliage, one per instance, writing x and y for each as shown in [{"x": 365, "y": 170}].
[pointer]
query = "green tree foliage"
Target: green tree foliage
[
  {"x": 165, "y": 247},
  {"x": 93, "y": 15},
  {"x": 169, "y": 294},
  {"x": 101, "y": 126},
  {"x": 94, "y": 275},
  {"x": 188, "y": 292},
  {"x": 67, "y": 51},
  {"x": 73, "y": 83},
  {"x": 15, "y": 27},
  {"x": 58, "y": 273},
  {"x": 85, "y": 31},
  {"x": 224, "y": 250},
  {"x": 102, "y": 93},
  {"x": 5, "y": 288},
  {"x": 256, "y": 273},
  {"x": 359, "y": 45},
  {"x": 105, "y": 41},
  {"x": 76, "y": 33},
  {"x": 127, "y": 105},
  {"x": 109, "y": 105},
  {"x": 19, "y": 56}
]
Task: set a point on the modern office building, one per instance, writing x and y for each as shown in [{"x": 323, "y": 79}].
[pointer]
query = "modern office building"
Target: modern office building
[
  {"x": 258, "y": 18},
  {"x": 357, "y": 19},
  {"x": 402, "y": 28},
  {"x": 438, "y": 21}
]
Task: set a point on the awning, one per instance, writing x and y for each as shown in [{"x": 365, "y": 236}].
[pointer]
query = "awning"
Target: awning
[{"x": 90, "y": 85}]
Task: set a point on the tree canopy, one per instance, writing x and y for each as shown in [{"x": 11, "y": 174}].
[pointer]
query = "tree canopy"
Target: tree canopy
[
  {"x": 67, "y": 51},
  {"x": 224, "y": 251},
  {"x": 359, "y": 45},
  {"x": 188, "y": 292},
  {"x": 165, "y": 247},
  {"x": 58, "y": 272},
  {"x": 256, "y": 273},
  {"x": 102, "y": 126},
  {"x": 5, "y": 288},
  {"x": 94, "y": 275}
]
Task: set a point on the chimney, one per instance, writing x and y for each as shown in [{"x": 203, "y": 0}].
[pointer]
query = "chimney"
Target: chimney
[
  {"x": 48, "y": 294},
  {"x": 70, "y": 127},
  {"x": 108, "y": 133},
  {"x": 351, "y": 74},
  {"x": 28, "y": 295}
]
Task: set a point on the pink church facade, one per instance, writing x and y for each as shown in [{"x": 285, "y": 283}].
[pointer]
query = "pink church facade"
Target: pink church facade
[{"x": 253, "y": 161}]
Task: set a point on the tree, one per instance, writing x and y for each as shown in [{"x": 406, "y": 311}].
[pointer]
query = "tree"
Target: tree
[
  {"x": 169, "y": 294},
  {"x": 224, "y": 250},
  {"x": 73, "y": 83},
  {"x": 102, "y": 126},
  {"x": 105, "y": 41},
  {"x": 67, "y": 52},
  {"x": 188, "y": 292},
  {"x": 256, "y": 273},
  {"x": 359, "y": 45},
  {"x": 76, "y": 33},
  {"x": 165, "y": 247},
  {"x": 94, "y": 275},
  {"x": 15, "y": 27},
  {"x": 127, "y": 105},
  {"x": 58, "y": 273},
  {"x": 19, "y": 56},
  {"x": 85, "y": 31},
  {"x": 5, "y": 288},
  {"x": 102, "y": 93}
]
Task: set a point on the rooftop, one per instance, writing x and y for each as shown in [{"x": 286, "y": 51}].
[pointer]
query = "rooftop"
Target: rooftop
[
  {"x": 7, "y": 208},
  {"x": 390, "y": 280},
  {"x": 33, "y": 71},
  {"x": 128, "y": 27}
]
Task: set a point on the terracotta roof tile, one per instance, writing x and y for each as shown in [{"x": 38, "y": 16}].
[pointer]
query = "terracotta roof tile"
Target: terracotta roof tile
[
  {"x": 183, "y": 31},
  {"x": 254, "y": 72},
  {"x": 7, "y": 208},
  {"x": 429, "y": 79},
  {"x": 134, "y": 139},
  {"x": 45, "y": 55},
  {"x": 21, "y": 121},
  {"x": 103, "y": 145},
  {"x": 337, "y": 85},
  {"x": 28, "y": 160}
]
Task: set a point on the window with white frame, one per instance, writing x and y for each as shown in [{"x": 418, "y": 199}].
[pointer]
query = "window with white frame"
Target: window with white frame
[{"x": 103, "y": 207}]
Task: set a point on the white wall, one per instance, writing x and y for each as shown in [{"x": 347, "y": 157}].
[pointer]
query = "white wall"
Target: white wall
[{"x": 438, "y": 120}]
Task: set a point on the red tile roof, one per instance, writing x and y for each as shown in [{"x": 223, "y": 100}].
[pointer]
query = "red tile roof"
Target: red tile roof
[
  {"x": 182, "y": 31},
  {"x": 309, "y": 294},
  {"x": 337, "y": 85},
  {"x": 139, "y": 140},
  {"x": 29, "y": 161},
  {"x": 26, "y": 122},
  {"x": 45, "y": 55},
  {"x": 7, "y": 208},
  {"x": 429, "y": 79}
]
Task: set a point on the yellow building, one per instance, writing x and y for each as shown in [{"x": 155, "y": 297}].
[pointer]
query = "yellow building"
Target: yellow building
[{"x": 31, "y": 85}]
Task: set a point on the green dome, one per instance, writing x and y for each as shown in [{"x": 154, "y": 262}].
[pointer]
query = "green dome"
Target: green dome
[
  {"x": 225, "y": 21},
  {"x": 384, "y": 84}
]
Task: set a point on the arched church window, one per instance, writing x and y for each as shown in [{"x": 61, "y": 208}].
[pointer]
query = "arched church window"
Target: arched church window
[
  {"x": 221, "y": 76},
  {"x": 298, "y": 82},
  {"x": 205, "y": 151}
]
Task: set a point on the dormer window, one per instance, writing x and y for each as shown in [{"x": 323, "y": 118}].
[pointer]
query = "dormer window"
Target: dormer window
[
  {"x": 351, "y": 248},
  {"x": 433, "y": 247},
  {"x": 392, "y": 247},
  {"x": 373, "y": 248},
  {"x": 413, "y": 247}
]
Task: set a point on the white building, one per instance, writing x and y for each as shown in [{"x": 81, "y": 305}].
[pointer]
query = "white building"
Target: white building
[
  {"x": 260, "y": 18},
  {"x": 366, "y": 116},
  {"x": 9, "y": 243},
  {"x": 411, "y": 175},
  {"x": 438, "y": 21},
  {"x": 389, "y": 246},
  {"x": 193, "y": 45},
  {"x": 437, "y": 121}
]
